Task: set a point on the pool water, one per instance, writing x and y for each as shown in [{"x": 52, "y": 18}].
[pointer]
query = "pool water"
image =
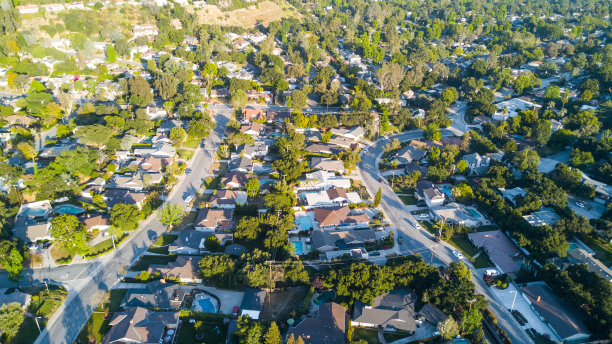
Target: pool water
[
  {"x": 474, "y": 213},
  {"x": 572, "y": 246},
  {"x": 299, "y": 247},
  {"x": 69, "y": 209},
  {"x": 204, "y": 303},
  {"x": 266, "y": 181},
  {"x": 447, "y": 191},
  {"x": 36, "y": 212},
  {"x": 305, "y": 222},
  {"x": 325, "y": 297}
]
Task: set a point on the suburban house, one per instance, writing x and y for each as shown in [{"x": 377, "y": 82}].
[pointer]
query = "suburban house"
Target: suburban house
[
  {"x": 431, "y": 314},
  {"x": 152, "y": 164},
  {"x": 542, "y": 217},
  {"x": 252, "y": 129},
  {"x": 392, "y": 312},
  {"x": 502, "y": 251},
  {"x": 433, "y": 197},
  {"x": 325, "y": 148},
  {"x": 115, "y": 196},
  {"x": 343, "y": 217},
  {"x": 329, "y": 327},
  {"x": 156, "y": 294},
  {"x": 564, "y": 320},
  {"x": 252, "y": 302},
  {"x": 249, "y": 114},
  {"x": 213, "y": 219},
  {"x": 241, "y": 164},
  {"x": 32, "y": 222},
  {"x": 235, "y": 180},
  {"x": 409, "y": 154},
  {"x": 477, "y": 163},
  {"x": 513, "y": 195},
  {"x": 184, "y": 268},
  {"x": 159, "y": 149},
  {"x": 325, "y": 241},
  {"x": 227, "y": 199},
  {"x": 252, "y": 151},
  {"x": 323, "y": 180},
  {"x": 326, "y": 164},
  {"x": 511, "y": 107},
  {"x": 455, "y": 213},
  {"x": 140, "y": 325},
  {"x": 135, "y": 181},
  {"x": 99, "y": 222},
  {"x": 188, "y": 242}
]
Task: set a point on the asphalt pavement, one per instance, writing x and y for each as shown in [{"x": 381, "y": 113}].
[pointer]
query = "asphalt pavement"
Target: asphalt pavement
[
  {"x": 85, "y": 282},
  {"x": 417, "y": 240}
]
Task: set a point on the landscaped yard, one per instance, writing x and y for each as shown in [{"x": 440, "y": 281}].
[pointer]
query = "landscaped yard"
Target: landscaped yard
[
  {"x": 165, "y": 239},
  {"x": 191, "y": 143},
  {"x": 603, "y": 250},
  {"x": 145, "y": 261},
  {"x": 429, "y": 227},
  {"x": 391, "y": 337},
  {"x": 369, "y": 335},
  {"x": 212, "y": 182},
  {"x": 462, "y": 243},
  {"x": 103, "y": 247},
  {"x": 408, "y": 200},
  {"x": 185, "y": 154},
  {"x": 96, "y": 327},
  {"x": 213, "y": 333}
]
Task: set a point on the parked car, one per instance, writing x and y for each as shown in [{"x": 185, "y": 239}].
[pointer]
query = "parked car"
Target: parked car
[
  {"x": 374, "y": 254},
  {"x": 580, "y": 204},
  {"x": 492, "y": 272},
  {"x": 400, "y": 240},
  {"x": 458, "y": 254},
  {"x": 235, "y": 311},
  {"x": 154, "y": 237},
  {"x": 434, "y": 239},
  {"x": 188, "y": 199},
  {"x": 187, "y": 171}
]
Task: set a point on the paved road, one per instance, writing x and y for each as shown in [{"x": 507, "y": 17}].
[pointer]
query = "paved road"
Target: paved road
[
  {"x": 418, "y": 240},
  {"x": 86, "y": 281}
]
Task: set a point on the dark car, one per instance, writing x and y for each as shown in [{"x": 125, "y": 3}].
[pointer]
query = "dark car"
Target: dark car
[
  {"x": 187, "y": 171},
  {"x": 380, "y": 180},
  {"x": 435, "y": 239},
  {"x": 47, "y": 244},
  {"x": 374, "y": 254},
  {"x": 154, "y": 237}
]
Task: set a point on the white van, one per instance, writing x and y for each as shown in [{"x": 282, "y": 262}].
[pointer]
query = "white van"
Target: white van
[{"x": 492, "y": 272}]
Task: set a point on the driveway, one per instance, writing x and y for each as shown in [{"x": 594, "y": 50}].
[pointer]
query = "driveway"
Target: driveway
[{"x": 228, "y": 298}]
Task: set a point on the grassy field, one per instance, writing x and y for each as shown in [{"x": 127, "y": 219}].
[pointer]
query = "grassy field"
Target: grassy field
[
  {"x": 369, "y": 335},
  {"x": 408, "y": 200},
  {"x": 185, "y": 154},
  {"x": 603, "y": 250},
  {"x": 264, "y": 13},
  {"x": 191, "y": 143}
]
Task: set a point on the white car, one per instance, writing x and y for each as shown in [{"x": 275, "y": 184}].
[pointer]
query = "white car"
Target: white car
[
  {"x": 580, "y": 204},
  {"x": 458, "y": 254},
  {"x": 188, "y": 199}
]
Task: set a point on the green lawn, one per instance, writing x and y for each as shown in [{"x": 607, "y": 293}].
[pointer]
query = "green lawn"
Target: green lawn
[
  {"x": 603, "y": 250},
  {"x": 212, "y": 182},
  {"x": 429, "y": 227},
  {"x": 213, "y": 333},
  {"x": 486, "y": 228},
  {"x": 95, "y": 328},
  {"x": 185, "y": 154},
  {"x": 165, "y": 239},
  {"x": 103, "y": 247},
  {"x": 28, "y": 331},
  {"x": 462, "y": 243},
  {"x": 45, "y": 303},
  {"x": 191, "y": 143},
  {"x": 369, "y": 335},
  {"x": 160, "y": 250},
  {"x": 391, "y": 337},
  {"x": 145, "y": 261},
  {"x": 408, "y": 200}
]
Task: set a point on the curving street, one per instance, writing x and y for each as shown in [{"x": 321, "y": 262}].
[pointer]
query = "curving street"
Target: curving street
[{"x": 418, "y": 240}]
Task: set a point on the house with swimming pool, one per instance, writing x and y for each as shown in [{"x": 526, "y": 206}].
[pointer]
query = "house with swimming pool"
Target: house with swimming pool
[
  {"x": 340, "y": 218},
  {"x": 455, "y": 213}
]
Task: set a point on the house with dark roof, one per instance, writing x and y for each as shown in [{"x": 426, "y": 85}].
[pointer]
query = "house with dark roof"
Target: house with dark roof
[
  {"x": 235, "y": 180},
  {"x": 156, "y": 294},
  {"x": 326, "y": 164},
  {"x": 409, "y": 154},
  {"x": 392, "y": 312},
  {"x": 564, "y": 319},
  {"x": 328, "y": 328},
  {"x": 432, "y": 314},
  {"x": 227, "y": 199},
  {"x": 325, "y": 241},
  {"x": 252, "y": 302},
  {"x": 140, "y": 325}
]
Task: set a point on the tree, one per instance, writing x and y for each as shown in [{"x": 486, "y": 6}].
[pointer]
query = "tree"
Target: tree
[
  {"x": 200, "y": 128},
  {"x": 359, "y": 281},
  {"x": 218, "y": 270},
  {"x": 252, "y": 187},
  {"x": 28, "y": 152},
  {"x": 67, "y": 231},
  {"x": 378, "y": 197},
  {"x": 170, "y": 214},
  {"x": 212, "y": 244},
  {"x": 448, "y": 328},
  {"x": 111, "y": 53},
  {"x": 297, "y": 100},
  {"x": 273, "y": 335},
  {"x": 350, "y": 158},
  {"x": 177, "y": 136},
  {"x": 470, "y": 320},
  {"x": 96, "y": 135},
  {"x": 527, "y": 159},
  {"x": 449, "y": 95},
  {"x": 432, "y": 132},
  {"x": 11, "y": 318},
  {"x": 166, "y": 85},
  {"x": 541, "y": 131},
  {"x": 139, "y": 91},
  {"x": 125, "y": 216},
  {"x": 248, "y": 331},
  {"x": 462, "y": 192},
  {"x": 389, "y": 75},
  {"x": 14, "y": 264},
  {"x": 579, "y": 158},
  {"x": 462, "y": 166},
  {"x": 238, "y": 99}
]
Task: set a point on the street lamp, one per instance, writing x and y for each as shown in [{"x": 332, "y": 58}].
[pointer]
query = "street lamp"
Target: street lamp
[
  {"x": 37, "y": 325},
  {"x": 513, "y": 300}
]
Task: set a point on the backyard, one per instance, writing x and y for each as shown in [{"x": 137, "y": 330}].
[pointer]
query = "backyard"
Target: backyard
[
  {"x": 280, "y": 303},
  {"x": 213, "y": 333},
  {"x": 369, "y": 335}
]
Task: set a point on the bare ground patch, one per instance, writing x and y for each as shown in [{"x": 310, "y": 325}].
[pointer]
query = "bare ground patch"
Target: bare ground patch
[{"x": 263, "y": 13}]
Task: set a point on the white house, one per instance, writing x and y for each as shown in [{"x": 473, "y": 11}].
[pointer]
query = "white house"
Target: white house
[
  {"x": 477, "y": 163},
  {"x": 433, "y": 197}
]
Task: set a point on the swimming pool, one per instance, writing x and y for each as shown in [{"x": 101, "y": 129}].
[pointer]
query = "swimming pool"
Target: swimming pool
[
  {"x": 205, "y": 303},
  {"x": 572, "y": 246},
  {"x": 299, "y": 247},
  {"x": 447, "y": 191},
  {"x": 305, "y": 222},
  {"x": 327, "y": 296},
  {"x": 266, "y": 181},
  {"x": 36, "y": 212},
  {"x": 474, "y": 213},
  {"x": 69, "y": 209}
]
